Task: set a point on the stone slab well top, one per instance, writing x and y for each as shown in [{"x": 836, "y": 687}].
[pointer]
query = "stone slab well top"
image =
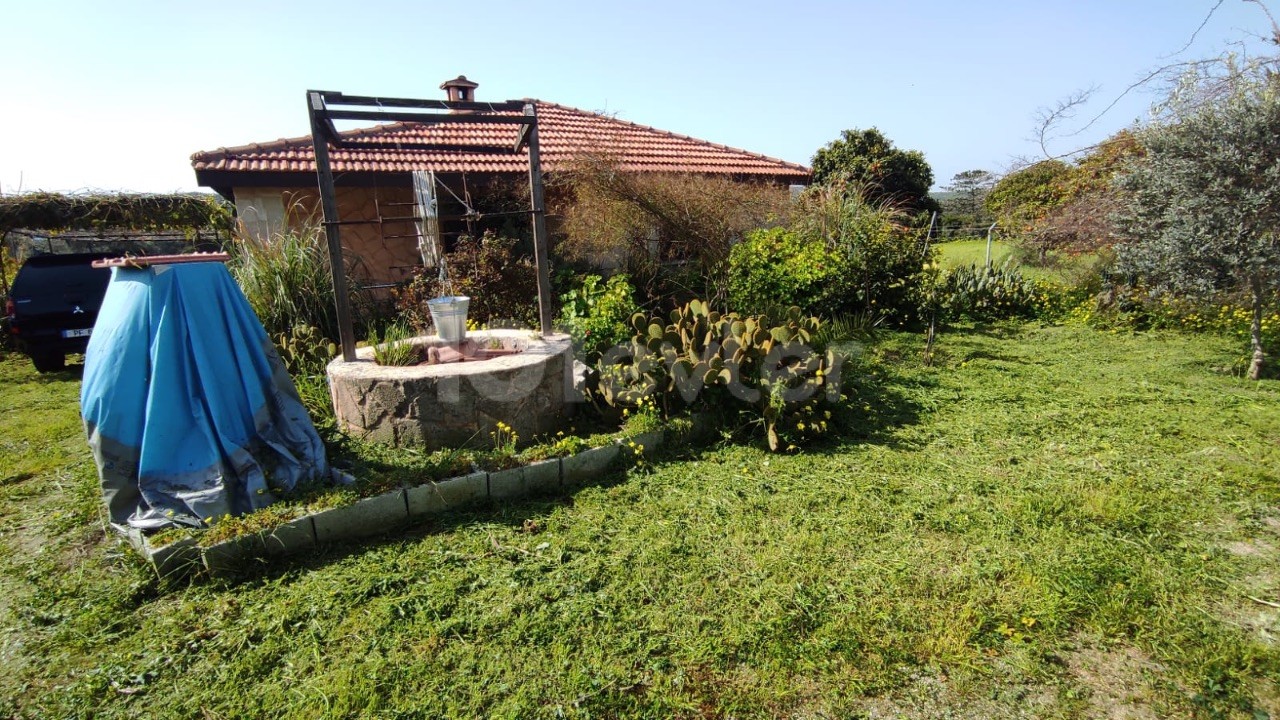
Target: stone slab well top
[{"x": 536, "y": 349}]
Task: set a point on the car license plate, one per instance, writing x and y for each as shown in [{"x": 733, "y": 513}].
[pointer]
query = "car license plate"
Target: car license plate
[{"x": 81, "y": 332}]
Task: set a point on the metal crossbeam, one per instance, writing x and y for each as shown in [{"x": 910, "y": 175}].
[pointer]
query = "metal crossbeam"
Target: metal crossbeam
[
  {"x": 349, "y": 144},
  {"x": 479, "y": 119},
  {"x": 337, "y": 98}
]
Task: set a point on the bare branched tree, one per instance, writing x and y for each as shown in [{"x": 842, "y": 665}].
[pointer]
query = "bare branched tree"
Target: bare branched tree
[{"x": 1213, "y": 78}]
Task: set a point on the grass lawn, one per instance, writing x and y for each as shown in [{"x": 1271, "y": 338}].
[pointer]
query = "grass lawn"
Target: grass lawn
[
  {"x": 1050, "y": 522},
  {"x": 959, "y": 253}
]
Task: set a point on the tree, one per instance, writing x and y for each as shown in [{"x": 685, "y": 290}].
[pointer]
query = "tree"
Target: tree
[
  {"x": 1202, "y": 213},
  {"x": 1054, "y": 206},
  {"x": 1079, "y": 220},
  {"x": 1024, "y": 197},
  {"x": 869, "y": 160},
  {"x": 969, "y": 190}
]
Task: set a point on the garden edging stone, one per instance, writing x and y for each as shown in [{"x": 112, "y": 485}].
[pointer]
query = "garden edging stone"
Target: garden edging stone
[
  {"x": 384, "y": 513},
  {"x": 434, "y": 497},
  {"x": 364, "y": 518}
]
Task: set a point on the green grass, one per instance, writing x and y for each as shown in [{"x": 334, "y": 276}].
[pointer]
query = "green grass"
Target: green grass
[
  {"x": 959, "y": 253},
  {"x": 1050, "y": 522}
]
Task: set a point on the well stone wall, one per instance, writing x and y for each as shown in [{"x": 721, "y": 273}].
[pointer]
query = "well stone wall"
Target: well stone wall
[{"x": 457, "y": 404}]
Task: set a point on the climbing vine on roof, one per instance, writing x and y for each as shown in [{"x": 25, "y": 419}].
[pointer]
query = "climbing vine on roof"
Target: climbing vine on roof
[{"x": 114, "y": 211}]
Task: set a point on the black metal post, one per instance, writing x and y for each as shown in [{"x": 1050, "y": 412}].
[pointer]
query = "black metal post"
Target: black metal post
[
  {"x": 329, "y": 205},
  {"x": 539, "y": 224}
]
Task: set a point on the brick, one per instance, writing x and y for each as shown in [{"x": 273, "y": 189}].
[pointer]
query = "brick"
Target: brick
[
  {"x": 650, "y": 440},
  {"x": 507, "y": 484},
  {"x": 234, "y": 556},
  {"x": 230, "y": 557},
  {"x": 176, "y": 559},
  {"x": 289, "y": 538}
]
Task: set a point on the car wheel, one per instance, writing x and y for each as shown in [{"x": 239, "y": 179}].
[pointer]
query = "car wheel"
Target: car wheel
[{"x": 49, "y": 362}]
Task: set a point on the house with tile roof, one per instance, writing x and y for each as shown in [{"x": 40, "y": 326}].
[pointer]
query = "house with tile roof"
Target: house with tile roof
[{"x": 273, "y": 184}]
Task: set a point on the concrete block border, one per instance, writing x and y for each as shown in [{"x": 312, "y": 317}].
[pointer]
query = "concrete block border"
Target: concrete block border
[{"x": 387, "y": 513}]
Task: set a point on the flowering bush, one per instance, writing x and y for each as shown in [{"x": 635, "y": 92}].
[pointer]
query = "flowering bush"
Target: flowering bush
[
  {"x": 1137, "y": 309},
  {"x": 1056, "y": 301}
]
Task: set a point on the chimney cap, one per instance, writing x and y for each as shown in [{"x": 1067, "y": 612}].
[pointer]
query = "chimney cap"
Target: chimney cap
[{"x": 459, "y": 82}]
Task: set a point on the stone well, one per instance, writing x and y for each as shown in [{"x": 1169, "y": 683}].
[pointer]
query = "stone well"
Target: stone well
[{"x": 460, "y": 403}]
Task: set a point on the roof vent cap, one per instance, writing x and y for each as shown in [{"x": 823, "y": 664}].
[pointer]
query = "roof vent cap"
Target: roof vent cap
[{"x": 460, "y": 89}]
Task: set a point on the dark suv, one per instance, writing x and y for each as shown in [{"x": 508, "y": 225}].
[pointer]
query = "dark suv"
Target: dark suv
[{"x": 53, "y": 304}]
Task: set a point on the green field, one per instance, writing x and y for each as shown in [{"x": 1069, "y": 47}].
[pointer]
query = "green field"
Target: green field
[
  {"x": 959, "y": 253},
  {"x": 1050, "y": 522}
]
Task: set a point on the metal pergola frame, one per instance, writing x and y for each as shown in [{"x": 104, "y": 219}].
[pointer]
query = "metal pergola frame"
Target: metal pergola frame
[{"x": 324, "y": 107}]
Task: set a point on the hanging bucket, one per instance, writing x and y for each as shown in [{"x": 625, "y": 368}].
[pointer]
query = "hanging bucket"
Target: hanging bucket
[{"x": 449, "y": 315}]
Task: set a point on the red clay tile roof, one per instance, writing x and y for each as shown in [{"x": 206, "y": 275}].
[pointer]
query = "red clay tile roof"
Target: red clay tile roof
[{"x": 562, "y": 133}]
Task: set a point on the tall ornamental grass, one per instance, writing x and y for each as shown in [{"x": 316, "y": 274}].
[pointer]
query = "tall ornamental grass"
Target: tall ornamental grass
[{"x": 287, "y": 281}]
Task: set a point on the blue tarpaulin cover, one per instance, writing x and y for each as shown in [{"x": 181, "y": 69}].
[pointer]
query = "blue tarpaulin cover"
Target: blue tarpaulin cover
[{"x": 189, "y": 410}]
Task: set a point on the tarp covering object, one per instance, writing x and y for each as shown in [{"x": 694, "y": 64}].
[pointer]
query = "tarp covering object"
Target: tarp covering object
[{"x": 189, "y": 410}]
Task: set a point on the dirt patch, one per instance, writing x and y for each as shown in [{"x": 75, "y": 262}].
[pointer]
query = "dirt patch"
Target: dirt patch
[
  {"x": 1266, "y": 695},
  {"x": 79, "y": 544},
  {"x": 1251, "y": 548},
  {"x": 1092, "y": 680},
  {"x": 1263, "y": 544},
  {"x": 1117, "y": 679},
  {"x": 931, "y": 696},
  {"x": 1253, "y": 606}
]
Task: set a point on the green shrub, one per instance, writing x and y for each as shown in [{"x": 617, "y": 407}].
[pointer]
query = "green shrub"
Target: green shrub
[
  {"x": 596, "y": 313},
  {"x": 707, "y": 361},
  {"x": 777, "y": 267},
  {"x": 840, "y": 255},
  {"x": 501, "y": 282}
]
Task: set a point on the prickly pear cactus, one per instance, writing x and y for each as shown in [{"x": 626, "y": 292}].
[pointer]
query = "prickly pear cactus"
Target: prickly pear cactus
[
  {"x": 700, "y": 356},
  {"x": 983, "y": 292},
  {"x": 304, "y": 350}
]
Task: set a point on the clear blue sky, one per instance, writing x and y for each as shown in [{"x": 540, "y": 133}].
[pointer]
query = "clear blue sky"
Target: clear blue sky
[{"x": 117, "y": 95}]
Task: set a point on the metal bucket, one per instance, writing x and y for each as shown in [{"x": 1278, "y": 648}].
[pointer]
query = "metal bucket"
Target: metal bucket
[{"x": 449, "y": 315}]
